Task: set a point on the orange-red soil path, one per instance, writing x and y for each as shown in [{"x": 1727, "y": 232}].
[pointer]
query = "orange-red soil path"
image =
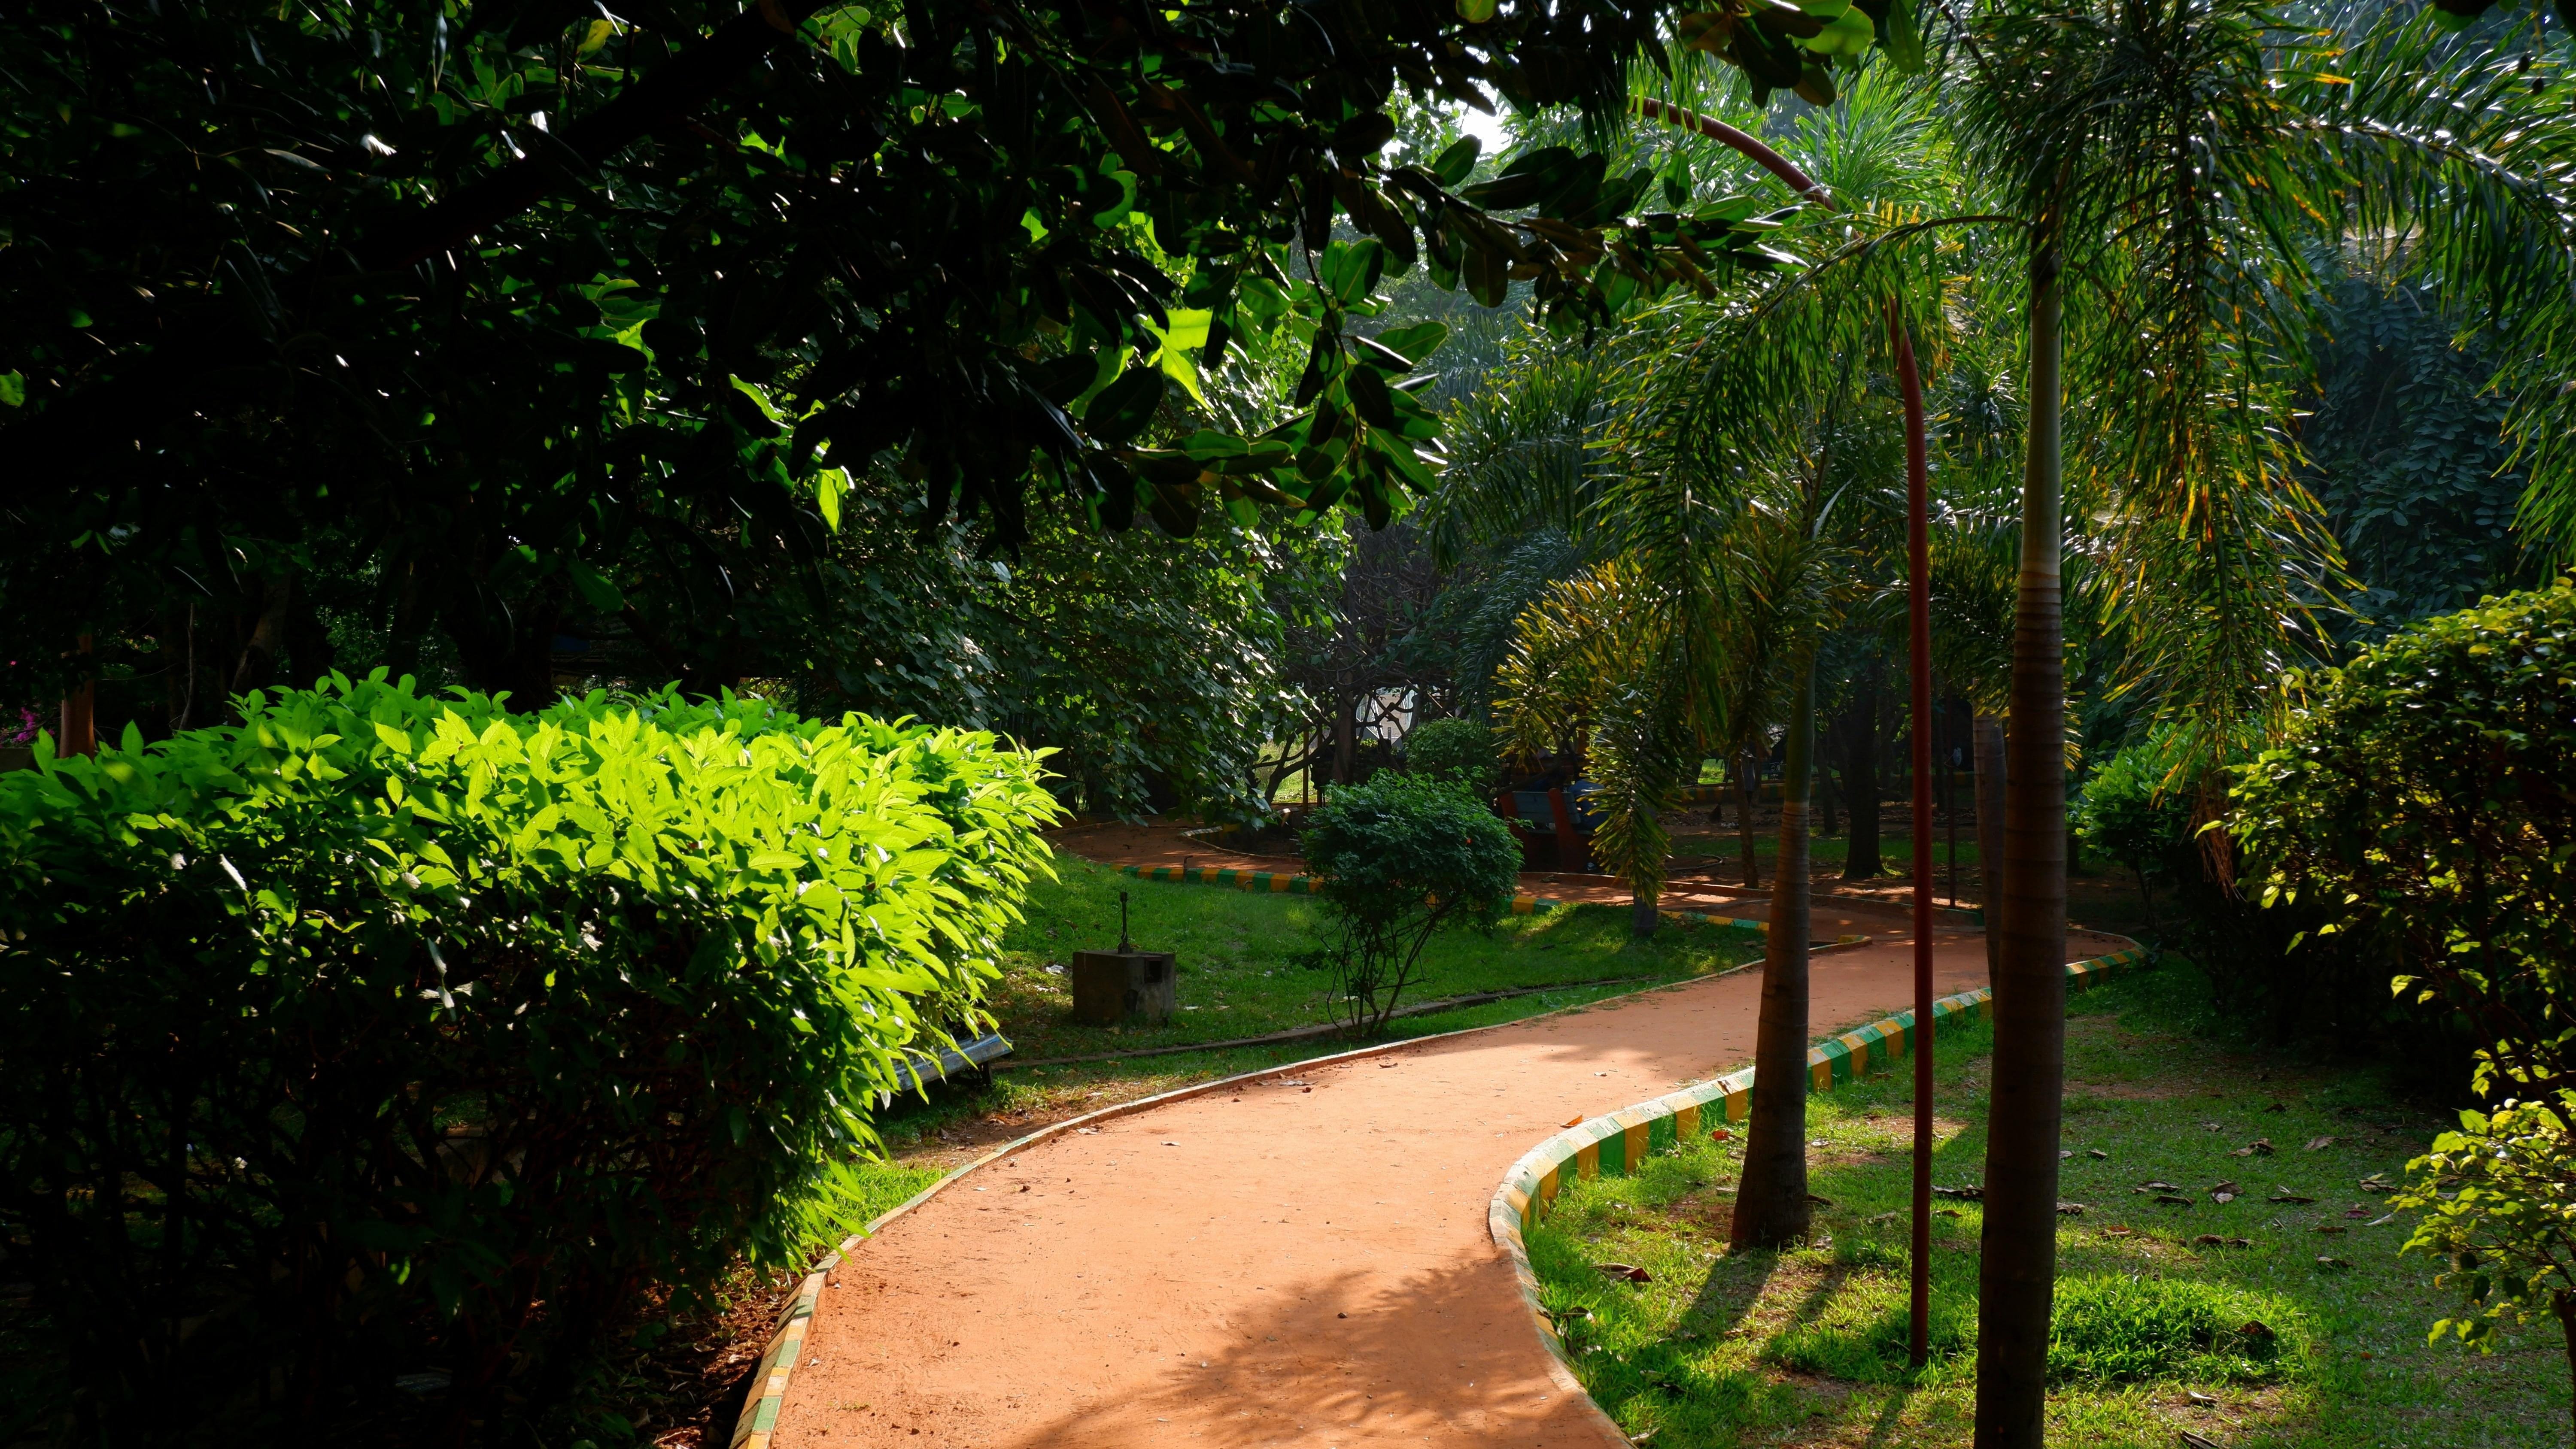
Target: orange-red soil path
[{"x": 1303, "y": 1261}]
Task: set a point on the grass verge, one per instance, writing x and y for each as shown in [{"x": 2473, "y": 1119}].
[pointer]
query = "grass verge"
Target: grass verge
[
  {"x": 1808, "y": 1346},
  {"x": 1237, "y": 980}
]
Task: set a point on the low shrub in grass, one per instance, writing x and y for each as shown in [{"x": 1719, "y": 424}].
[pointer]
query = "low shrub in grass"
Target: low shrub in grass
[
  {"x": 1400, "y": 857},
  {"x": 380, "y": 1033},
  {"x": 2118, "y": 1328}
]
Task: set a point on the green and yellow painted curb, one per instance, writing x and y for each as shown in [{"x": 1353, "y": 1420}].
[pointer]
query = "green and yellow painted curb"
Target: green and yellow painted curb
[
  {"x": 1619, "y": 1144},
  {"x": 1287, "y": 883}
]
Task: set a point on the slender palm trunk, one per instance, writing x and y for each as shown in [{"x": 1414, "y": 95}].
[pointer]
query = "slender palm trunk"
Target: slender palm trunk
[
  {"x": 2018, "y": 1253},
  {"x": 1918, "y": 581},
  {"x": 1748, "y": 791},
  {"x": 1771, "y": 1200},
  {"x": 1990, "y": 834}
]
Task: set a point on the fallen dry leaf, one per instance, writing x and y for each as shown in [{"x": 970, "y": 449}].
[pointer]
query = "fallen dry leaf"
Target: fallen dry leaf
[
  {"x": 1627, "y": 1271},
  {"x": 2096, "y": 1152},
  {"x": 1574, "y": 1121},
  {"x": 2320, "y": 1144}
]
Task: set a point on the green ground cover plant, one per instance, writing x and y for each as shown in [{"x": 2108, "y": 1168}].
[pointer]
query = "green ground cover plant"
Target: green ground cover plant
[{"x": 1808, "y": 1345}]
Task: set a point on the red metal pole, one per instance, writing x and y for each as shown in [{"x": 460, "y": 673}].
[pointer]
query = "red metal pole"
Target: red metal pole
[{"x": 1918, "y": 548}]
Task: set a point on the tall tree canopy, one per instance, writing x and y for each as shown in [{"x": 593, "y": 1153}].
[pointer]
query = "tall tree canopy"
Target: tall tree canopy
[{"x": 532, "y": 311}]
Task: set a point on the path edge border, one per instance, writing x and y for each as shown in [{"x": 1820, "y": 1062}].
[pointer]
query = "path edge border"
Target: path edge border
[
  {"x": 767, "y": 1396},
  {"x": 1626, "y": 1138}
]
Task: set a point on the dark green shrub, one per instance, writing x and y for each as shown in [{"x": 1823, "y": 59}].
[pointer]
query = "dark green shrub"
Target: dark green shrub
[
  {"x": 1401, "y": 857},
  {"x": 2143, "y": 809},
  {"x": 2134, "y": 812},
  {"x": 1457, "y": 751},
  {"x": 2423, "y": 808},
  {"x": 382, "y": 1033}
]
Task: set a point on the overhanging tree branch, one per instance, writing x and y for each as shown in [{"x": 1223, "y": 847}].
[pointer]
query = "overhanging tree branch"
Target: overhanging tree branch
[{"x": 668, "y": 94}]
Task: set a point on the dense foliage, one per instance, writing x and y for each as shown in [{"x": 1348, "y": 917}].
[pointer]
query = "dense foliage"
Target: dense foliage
[
  {"x": 2409, "y": 455},
  {"x": 385, "y": 1030},
  {"x": 538, "y": 312},
  {"x": 1400, "y": 858},
  {"x": 2420, "y": 805},
  {"x": 1460, "y": 752},
  {"x": 1155, "y": 667}
]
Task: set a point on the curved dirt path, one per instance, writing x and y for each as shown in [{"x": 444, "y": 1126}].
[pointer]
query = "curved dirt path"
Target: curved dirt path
[{"x": 1301, "y": 1262}]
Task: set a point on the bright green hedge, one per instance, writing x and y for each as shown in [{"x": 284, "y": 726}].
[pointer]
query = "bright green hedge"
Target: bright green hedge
[{"x": 393, "y": 1031}]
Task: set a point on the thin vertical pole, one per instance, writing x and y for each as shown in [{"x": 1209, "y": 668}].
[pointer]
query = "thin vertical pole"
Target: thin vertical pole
[
  {"x": 1918, "y": 541},
  {"x": 1950, "y": 791}
]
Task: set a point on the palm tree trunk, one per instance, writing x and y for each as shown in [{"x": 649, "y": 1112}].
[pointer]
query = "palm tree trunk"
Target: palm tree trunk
[
  {"x": 1990, "y": 835},
  {"x": 2017, "y": 1269},
  {"x": 1771, "y": 1201},
  {"x": 1748, "y": 790}
]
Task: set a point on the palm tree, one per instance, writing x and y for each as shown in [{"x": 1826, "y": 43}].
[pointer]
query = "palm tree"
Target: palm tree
[
  {"x": 2167, "y": 164},
  {"x": 1766, "y": 408}
]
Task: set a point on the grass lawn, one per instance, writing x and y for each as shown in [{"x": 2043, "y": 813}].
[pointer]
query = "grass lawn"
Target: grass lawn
[
  {"x": 1808, "y": 1346},
  {"x": 1237, "y": 980}
]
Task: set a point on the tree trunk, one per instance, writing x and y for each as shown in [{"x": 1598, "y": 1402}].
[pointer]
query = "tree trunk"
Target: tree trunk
[
  {"x": 1748, "y": 789},
  {"x": 1860, "y": 778},
  {"x": 1822, "y": 787},
  {"x": 1990, "y": 835},
  {"x": 1642, "y": 916},
  {"x": 2017, "y": 1268},
  {"x": 2564, "y": 1302},
  {"x": 1346, "y": 746},
  {"x": 1771, "y": 1200},
  {"x": 255, "y": 667}
]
